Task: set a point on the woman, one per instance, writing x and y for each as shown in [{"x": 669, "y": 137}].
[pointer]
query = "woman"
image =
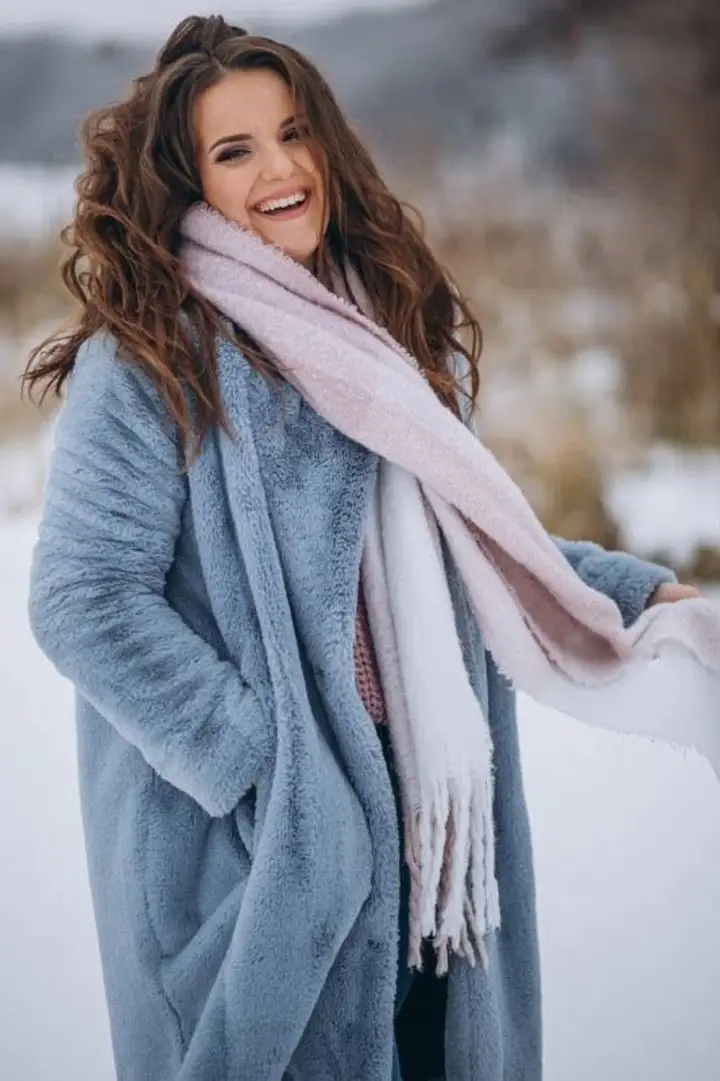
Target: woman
[{"x": 197, "y": 578}]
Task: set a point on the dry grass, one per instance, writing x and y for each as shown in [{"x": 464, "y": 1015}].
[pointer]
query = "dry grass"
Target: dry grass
[
  {"x": 560, "y": 279},
  {"x": 31, "y": 290},
  {"x": 32, "y": 301},
  {"x": 20, "y": 418},
  {"x": 589, "y": 273}
]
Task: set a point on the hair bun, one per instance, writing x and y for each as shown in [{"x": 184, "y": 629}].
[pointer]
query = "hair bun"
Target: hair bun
[{"x": 197, "y": 34}]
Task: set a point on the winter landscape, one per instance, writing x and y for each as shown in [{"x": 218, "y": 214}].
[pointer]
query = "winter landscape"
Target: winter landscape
[{"x": 570, "y": 183}]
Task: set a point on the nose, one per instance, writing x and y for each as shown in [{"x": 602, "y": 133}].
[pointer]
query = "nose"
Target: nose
[{"x": 277, "y": 162}]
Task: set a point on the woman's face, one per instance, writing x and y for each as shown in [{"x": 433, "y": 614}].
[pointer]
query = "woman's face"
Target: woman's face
[{"x": 255, "y": 166}]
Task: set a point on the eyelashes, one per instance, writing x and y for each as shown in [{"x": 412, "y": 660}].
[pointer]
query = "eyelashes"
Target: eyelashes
[
  {"x": 232, "y": 154},
  {"x": 239, "y": 153}
]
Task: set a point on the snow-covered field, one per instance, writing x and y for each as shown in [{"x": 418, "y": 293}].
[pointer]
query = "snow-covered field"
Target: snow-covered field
[
  {"x": 34, "y": 201},
  {"x": 52, "y": 1017},
  {"x": 672, "y": 504},
  {"x": 627, "y": 839}
]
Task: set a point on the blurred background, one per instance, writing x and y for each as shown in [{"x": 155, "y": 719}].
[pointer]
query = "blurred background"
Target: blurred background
[{"x": 565, "y": 155}]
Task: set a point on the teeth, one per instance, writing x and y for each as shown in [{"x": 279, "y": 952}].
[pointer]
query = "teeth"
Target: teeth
[{"x": 283, "y": 204}]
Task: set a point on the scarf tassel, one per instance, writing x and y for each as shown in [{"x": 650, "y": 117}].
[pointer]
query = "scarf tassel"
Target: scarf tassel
[{"x": 454, "y": 901}]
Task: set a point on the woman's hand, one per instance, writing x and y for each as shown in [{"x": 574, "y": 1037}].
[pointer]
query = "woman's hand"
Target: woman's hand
[{"x": 669, "y": 592}]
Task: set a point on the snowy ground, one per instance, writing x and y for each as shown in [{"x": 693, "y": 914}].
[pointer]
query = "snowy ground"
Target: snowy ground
[
  {"x": 686, "y": 479},
  {"x": 34, "y": 200},
  {"x": 626, "y": 839}
]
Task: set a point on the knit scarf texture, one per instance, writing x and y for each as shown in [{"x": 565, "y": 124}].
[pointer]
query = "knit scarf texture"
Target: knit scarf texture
[{"x": 552, "y": 636}]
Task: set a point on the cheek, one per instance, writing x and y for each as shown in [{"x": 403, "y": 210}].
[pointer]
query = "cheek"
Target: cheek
[
  {"x": 305, "y": 162},
  {"x": 310, "y": 167},
  {"x": 228, "y": 191}
]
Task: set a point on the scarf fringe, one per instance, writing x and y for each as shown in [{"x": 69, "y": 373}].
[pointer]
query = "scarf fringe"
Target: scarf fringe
[{"x": 454, "y": 901}]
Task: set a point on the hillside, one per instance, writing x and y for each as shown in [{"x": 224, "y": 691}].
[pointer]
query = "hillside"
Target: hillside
[{"x": 568, "y": 78}]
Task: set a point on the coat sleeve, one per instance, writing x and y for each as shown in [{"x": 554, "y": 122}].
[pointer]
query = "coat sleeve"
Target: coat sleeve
[
  {"x": 627, "y": 580},
  {"x": 97, "y": 606}
]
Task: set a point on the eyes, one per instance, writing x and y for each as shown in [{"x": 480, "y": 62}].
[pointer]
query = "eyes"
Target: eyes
[
  {"x": 243, "y": 150},
  {"x": 232, "y": 154}
]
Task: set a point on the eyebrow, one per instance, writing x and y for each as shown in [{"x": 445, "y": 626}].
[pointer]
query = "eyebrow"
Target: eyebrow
[{"x": 240, "y": 137}]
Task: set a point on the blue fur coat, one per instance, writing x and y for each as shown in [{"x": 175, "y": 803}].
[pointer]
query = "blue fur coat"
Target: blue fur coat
[{"x": 240, "y": 823}]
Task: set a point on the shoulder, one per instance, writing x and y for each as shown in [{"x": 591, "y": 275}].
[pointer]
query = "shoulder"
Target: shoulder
[
  {"x": 100, "y": 370},
  {"x": 106, "y": 384}
]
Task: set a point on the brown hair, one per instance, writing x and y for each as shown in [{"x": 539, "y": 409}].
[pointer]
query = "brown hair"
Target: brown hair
[{"x": 141, "y": 176}]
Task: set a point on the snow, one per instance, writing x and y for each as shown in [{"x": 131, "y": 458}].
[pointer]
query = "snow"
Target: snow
[
  {"x": 670, "y": 505},
  {"x": 22, "y": 472},
  {"x": 594, "y": 377},
  {"x": 34, "y": 200},
  {"x": 625, "y": 835},
  {"x": 54, "y": 1023},
  {"x": 628, "y": 889}
]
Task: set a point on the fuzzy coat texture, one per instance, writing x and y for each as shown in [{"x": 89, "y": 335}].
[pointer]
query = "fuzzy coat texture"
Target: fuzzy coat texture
[{"x": 240, "y": 824}]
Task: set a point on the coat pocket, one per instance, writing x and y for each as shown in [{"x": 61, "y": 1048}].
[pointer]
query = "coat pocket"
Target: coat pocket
[{"x": 193, "y": 862}]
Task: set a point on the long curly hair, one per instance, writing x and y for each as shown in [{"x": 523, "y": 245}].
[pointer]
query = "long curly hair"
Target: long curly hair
[{"x": 140, "y": 177}]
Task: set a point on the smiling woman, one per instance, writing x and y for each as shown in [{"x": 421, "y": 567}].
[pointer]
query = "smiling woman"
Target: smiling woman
[
  {"x": 301, "y": 785},
  {"x": 244, "y": 123},
  {"x": 257, "y": 165}
]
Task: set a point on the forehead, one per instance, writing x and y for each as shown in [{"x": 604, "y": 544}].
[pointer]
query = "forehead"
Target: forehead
[{"x": 247, "y": 102}]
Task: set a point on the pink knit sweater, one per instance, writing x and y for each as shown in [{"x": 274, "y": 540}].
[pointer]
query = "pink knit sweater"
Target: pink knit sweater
[{"x": 367, "y": 674}]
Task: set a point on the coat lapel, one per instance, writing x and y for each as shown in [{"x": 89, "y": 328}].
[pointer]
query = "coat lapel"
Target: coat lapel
[{"x": 288, "y": 511}]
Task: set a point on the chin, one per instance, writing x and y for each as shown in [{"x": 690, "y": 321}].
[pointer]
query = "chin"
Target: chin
[{"x": 300, "y": 251}]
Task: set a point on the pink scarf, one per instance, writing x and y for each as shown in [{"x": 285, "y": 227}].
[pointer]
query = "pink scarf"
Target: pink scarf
[{"x": 555, "y": 638}]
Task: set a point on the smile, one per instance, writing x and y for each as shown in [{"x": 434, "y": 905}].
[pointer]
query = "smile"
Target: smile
[{"x": 285, "y": 206}]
